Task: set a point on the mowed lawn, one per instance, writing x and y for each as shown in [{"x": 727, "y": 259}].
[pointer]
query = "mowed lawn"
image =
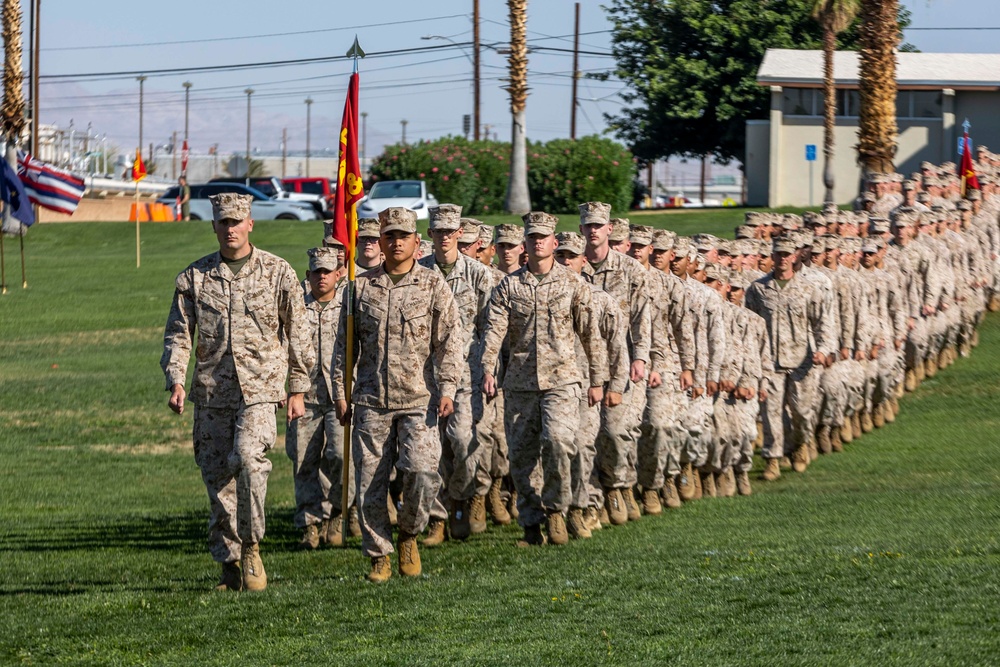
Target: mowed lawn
[{"x": 887, "y": 554}]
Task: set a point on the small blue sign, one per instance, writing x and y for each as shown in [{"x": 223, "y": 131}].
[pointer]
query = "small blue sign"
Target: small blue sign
[{"x": 810, "y": 152}]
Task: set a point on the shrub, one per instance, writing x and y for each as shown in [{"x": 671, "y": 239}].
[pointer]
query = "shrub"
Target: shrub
[{"x": 561, "y": 173}]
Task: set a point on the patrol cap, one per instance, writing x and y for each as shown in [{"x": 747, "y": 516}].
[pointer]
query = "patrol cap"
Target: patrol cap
[
  {"x": 322, "y": 259},
  {"x": 368, "y": 228},
  {"x": 791, "y": 221},
  {"x": 783, "y": 244},
  {"x": 877, "y": 178},
  {"x": 230, "y": 206},
  {"x": 509, "y": 234},
  {"x": 923, "y": 197},
  {"x": 832, "y": 242},
  {"x": 640, "y": 234},
  {"x": 619, "y": 230},
  {"x": 571, "y": 242},
  {"x": 909, "y": 184},
  {"x": 397, "y": 219},
  {"x": 818, "y": 246},
  {"x": 470, "y": 230},
  {"x": 878, "y": 224},
  {"x": 705, "y": 242},
  {"x": 744, "y": 232},
  {"x": 739, "y": 280},
  {"x": 850, "y": 244},
  {"x": 328, "y": 239},
  {"x": 869, "y": 246},
  {"x": 485, "y": 234},
  {"x": 964, "y": 205},
  {"x": 744, "y": 247},
  {"x": 868, "y": 197},
  {"x": 595, "y": 213},
  {"x": 447, "y": 217},
  {"x": 682, "y": 246},
  {"x": 717, "y": 272},
  {"x": 903, "y": 218},
  {"x": 948, "y": 167},
  {"x": 726, "y": 247},
  {"x": 753, "y": 219},
  {"x": 663, "y": 239},
  {"x": 426, "y": 248},
  {"x": 539, "y": 222},
  {"x": 974, "y": 195},
  {"x": 927, "y": 166}
]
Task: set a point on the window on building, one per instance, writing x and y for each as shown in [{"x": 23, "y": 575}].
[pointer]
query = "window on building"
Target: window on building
[
  {"x": 918, "y": 104},
  {"x": 801, "y": 102}
]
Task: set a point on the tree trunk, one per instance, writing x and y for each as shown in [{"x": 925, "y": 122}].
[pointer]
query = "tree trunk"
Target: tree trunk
[
  {"x": 877, "y": 131},
  {"x": 829, "y": 110},
  {"x": 518, "y": 201}
]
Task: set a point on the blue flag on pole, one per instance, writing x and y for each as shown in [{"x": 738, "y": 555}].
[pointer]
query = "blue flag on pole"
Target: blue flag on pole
[{"x": 13, "y": 195}]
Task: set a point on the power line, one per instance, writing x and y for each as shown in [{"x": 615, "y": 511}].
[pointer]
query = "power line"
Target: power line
[
  {"x": 242, "y": 37},
  {"x": 953, "y": 28}
]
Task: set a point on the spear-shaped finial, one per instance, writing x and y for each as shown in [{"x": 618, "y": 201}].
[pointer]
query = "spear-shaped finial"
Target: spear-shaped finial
[
  {"x": 356, "y": 51},
  {"x": 966, "y": 125}
]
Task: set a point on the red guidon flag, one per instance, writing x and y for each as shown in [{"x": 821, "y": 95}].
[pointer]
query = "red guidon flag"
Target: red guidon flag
[
  {"x": 138, "y": 168},
  {"x": 968, "y": 171},
  {"x": 350, "y": 189}
]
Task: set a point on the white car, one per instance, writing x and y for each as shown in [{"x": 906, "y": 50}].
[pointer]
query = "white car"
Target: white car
[{"x": 386, "y": 194}]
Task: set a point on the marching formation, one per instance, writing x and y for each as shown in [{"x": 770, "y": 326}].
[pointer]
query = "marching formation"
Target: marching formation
[{"x": 571, "y": 382}]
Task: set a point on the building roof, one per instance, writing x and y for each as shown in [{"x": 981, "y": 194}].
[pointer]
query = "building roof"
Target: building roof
[{"x": 963, "y": 71}]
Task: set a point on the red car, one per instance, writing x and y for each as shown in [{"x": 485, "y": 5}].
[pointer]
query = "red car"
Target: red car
[{"x": 315, "y": 185}]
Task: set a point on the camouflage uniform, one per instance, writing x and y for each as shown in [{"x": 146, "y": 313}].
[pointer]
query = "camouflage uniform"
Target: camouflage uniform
[
  {"x": 542, "y": 385},
  {"x": 798, "y": 327},
  {"x": 315, "y": 441},
  {"x": 411, "y": 347},
  {"x": 625, "y": 280},
  {"x": 251, "y": 334}
]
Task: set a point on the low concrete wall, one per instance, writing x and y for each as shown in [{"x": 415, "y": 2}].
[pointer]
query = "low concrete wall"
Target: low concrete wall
[{"x": 112, "y": 209}]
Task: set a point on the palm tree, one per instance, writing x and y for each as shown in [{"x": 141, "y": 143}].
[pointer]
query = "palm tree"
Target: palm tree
[
  {"x": 834, "y": 16},
  {"x": 879, "y": 36},
  {"x": 518, "y": 201}
]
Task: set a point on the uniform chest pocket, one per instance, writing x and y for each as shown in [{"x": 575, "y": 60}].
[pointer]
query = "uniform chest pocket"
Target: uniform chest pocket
[
  {"x": 465, "y": 299},
  {"x": 370, "y": 313},
  {"x": 261, "y": 307},
  {"x": 417, "y": 324},
  {"x": 211, "y": 313}
]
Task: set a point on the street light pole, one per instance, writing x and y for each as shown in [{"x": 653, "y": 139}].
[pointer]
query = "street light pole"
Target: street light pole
[
  {"x": 141, "y": 80},
  {"x": 403, "y": 123},
  {"x": 187, "y": 101},
  {"x": 309, "y": 103},
  {"x": 249, "y": 92}
]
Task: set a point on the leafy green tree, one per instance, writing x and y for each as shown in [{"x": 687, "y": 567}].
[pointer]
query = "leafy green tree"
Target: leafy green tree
[{"x": 691, "y": 66}]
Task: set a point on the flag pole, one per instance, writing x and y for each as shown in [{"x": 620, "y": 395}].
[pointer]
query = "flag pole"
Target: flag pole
[
  {"x": 24, "y": 274},
  {"x": 352, "y": 226},
  {"x": 3, "y": 263},
  {"x": 137, "y": 216}
]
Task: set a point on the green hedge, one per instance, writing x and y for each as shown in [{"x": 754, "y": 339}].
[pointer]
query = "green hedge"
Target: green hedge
[{"x": 561, "y": 173}]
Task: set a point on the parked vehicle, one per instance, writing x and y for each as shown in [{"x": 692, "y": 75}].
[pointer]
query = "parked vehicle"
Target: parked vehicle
[
  {"x": 408, "y": 194},
  {"x": 262, "y": 207},
  {"x": 272, "y": 187},
  {"x": 312, "y": 185}
]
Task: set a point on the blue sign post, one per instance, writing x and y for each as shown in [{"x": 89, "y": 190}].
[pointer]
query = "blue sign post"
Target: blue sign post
[{"x": 810, "y": 158}]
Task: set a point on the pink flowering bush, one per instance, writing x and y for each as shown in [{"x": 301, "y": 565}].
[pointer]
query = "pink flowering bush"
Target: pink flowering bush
[{"x": 561, "y": 173}]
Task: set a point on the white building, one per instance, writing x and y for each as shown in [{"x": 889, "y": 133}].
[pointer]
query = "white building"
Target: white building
[{"x": 937, "y": 93}]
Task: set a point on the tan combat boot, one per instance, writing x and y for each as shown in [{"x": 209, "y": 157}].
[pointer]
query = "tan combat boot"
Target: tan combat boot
[
  {"x": 555, "y": 527},
  {"x": 631, "y": 506},
  {"x": 994, "y": 303},
  {"x": 919, "y": 371},
  {"x": 651, "y": 502},
  {"x": 878, "y": 416},
  {"x": 353, "y": 523},
  {"x": 836, "y": 441},
  {"x": 381, "y": 570},
  {"x": 772, "y": 471},
  {"x": 335, "y": 531},
  {"x": 785, "y": 462},
  {"x": 856, "y": 426},
  {"x": 435, "y": 533},
  {"x": 891, "y": 410},
  {"x": 409, "y": 555},
  {"x": 310, "y": 538},
  {"x": 910, "y": 382},
  {"x": 592, "y": 519},
  {"x": 254, "y": 576},
  {"x": 512, "y": 506},
  {"x": 930, "y": 367},
  {"x": 812, "y": 448},
  {"x": 823, "y": 440},
  {"x": 707, "y": 483},
  {"x": 846, "y": 431},
  {"x": 532, "y": 537},
  {"x": 602, "y": 516},
  {"x": 458, "y": 520},
  {"x": 758, "y": 442},
  {"x": 975, "y": 338},
  {"x": 725, "y": 483},
  {"x": 867, "y": 423},
  {"x": 944, "y": 359},
  {"x": 495, "y": 506},
  {"x": 232, "y": 579},
  {"x": 615, "y": 504},
  {"x": 800, "y": 458},
  {"x": 743, "y": 484},
  {"x": 671, "y": 498},
  {"x": 576, "y": 524},
  {"x": 698, "y": 490},
  {"x": 685, "y": 482},
  {"x": 477, "y": 515}
]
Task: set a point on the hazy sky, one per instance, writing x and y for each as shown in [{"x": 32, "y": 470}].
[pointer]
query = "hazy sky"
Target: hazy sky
[{"x": 431, "y": 90}]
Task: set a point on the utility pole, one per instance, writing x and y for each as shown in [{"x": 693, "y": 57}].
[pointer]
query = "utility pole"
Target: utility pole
[
  {"x": 187, "y": 101},
  {"x": 284, "y": 150},
  {"x": 141, "y": 80},
  {"x": 249, "y": 92},
  {"x": 576, "y": 69},
  {"x": 403, "y": 123},
  {"x": 475, "y": 67},
  {"x": 173, "y": 155},
  {"x": 36, "y": 8},
  {"x": 309, "y": 103}
]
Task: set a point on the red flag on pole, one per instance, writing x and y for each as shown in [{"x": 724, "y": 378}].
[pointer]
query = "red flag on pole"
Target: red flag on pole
[
  {"x": 138, "y": 168},
  {"x": 968, "y": 170},
  {"x": 350, "y": 189}
]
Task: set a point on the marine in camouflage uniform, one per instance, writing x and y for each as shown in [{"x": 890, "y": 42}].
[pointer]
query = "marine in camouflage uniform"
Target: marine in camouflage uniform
[
  {"x": 462, "y": 499},
  {"x": 410, "y": 346},
  {"x": 625, "y": 280},
  {"x": 541, "y": 309},
  {"x": 245, "y": 307}
]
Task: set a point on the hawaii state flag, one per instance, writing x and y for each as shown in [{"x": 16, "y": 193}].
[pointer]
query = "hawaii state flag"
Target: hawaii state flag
[
  {"x": 138, "y": 168},
  {"x": 350, "y": 189},
  {"x": 967, "y": 170}
]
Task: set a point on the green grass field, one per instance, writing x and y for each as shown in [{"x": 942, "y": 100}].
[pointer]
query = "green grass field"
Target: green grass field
[{"x": 887, "y": 554}]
